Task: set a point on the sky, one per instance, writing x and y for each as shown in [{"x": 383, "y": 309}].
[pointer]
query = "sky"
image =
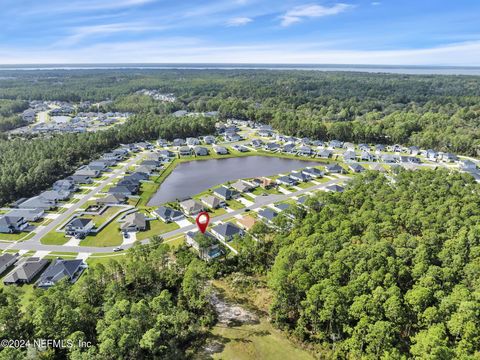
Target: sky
[{"x": 396, "y": 32}]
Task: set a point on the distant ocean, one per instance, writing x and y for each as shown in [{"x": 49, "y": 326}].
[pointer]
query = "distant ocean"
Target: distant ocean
[{"x": 393, "y": 69}]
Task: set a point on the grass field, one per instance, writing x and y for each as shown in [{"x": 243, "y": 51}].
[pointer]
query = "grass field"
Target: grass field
[
  {"x": 54, "y": 238},
  {"x": 16, "y": 236},
  {"x": 109, "y": 236},
  {"x": 156, "y": 227}
]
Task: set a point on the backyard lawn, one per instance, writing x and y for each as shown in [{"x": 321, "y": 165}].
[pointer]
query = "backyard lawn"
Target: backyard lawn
[
  {"x": 109, "y": 236},
  {"x": 54, "y": 238},
  {"x": 156, "y": 227}
]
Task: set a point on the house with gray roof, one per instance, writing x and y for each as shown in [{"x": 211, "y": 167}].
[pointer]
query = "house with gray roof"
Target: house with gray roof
[
  {"x": 256, "y": 143},
  {"x": 200, "y": 151},
  {"x": 112, "y": 199},
  {"x": 191, "y": 207},
  {"x": 61, "y": 269},
  {"x": 37, "y": 202},
  {"x": 289, "y": 148},
  {"x": 212, "y": 202},
  {"x": 178, "y": 142},
  {"x": 357, "y": 168},
  {"x": 225, "y": 193},
  {"x": 242, "y": 186},
  {"x": 209, "y": 139},
  {"x": 25, "y": 271},
  {"x": 300, "y": 176},
  {"x": 27, "y": 214},
  {"x": 349, "y": 155},
  {"x": 134, "y": 222},
  {"x": 325, "y": 153},
  {"x": 272, "y": 146},
  {"x": 167, "y": 214},
  {"x": 80, "y": 179},
  {"x": 334, "y": 188},
  {"x": 304, "y": 150},
  {"x": 313, "y": 172},
  {"x": 185, "y": 151},
  {"x": 79, "y": 227},
  {"x": 286, "y": 180},
  {"x": 55, "y": 195},
  {"x": 267, "y": 215},
  {"x": 227, "y": 231},
  {"x": 7, "y": 260},
  {"x": 334, "y": 169},
  {"x": 191, "y": 141},
  {"x": 166, "y": 154},
  {"x": 220, "y": 150},
  {"x": 65, "y": 185}
]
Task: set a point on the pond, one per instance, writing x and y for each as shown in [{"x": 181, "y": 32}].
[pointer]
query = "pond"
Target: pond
[{"x": 193, "y": 177}]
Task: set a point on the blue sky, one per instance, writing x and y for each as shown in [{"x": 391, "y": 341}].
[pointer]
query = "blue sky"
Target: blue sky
[{"x": 421, "y": 32}]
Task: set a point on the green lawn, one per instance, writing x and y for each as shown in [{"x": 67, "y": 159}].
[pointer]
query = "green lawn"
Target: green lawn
[
  {"x": 258, "y": 341},
  {"x": 54, "y": 238},
  {"x": 109, "y": 236},
  {"x": 235, "y": 205},
  {"x": 100, "y": 219},
  {"x": 16, "y": 236},
  {"x": 147, "y": 190},
  {"x": 156, "y": 227},
  {"x": 217, "y": 212}
]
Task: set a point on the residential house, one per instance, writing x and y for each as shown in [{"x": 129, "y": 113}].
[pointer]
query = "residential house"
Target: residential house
[
  {"x": 27, "y": 214},
  {"x": 349, "y": 155},
  {"x": 167, "y": 214},
  {"x": 334, "y": 169},
  {"x": 286, "y": 180},
  {"x": 349, "y": 146},
  {"x": 378, "y": 167},
  {"x": 166, "y": 154},
  {"x": 467, "y": 165},
  {"x": 55, "y": 195},
  {"x": 134, "y": 222},
  {"x": 413, "y": 150},
  {"x": 125, "y": 190},
  {"x": 272, "y": 146},
  {"x": 265, "y": 133},
  {"x": 191, "y": 141},
  {"x": 154, "y": 164},
  {"x": 178, "y": 142},
  {"x": 25, "y": 271},
  {"x": 191, "y": 207},
  {"x": 86, "y": 171},
  {"x": 313, "y": 172},
  {"x": 162, "y": 143},
  {"x": 209, "y": 140},
  {"x": 379, "y": 148},
  {"x": 367, "y": 156},
  {"x": 200, "y": 151},
  {"x": 431, "y": 154},
  {"x": 147, "y": 169},
  {"x": 395, "y": 148},
  {"x": 205, "y": 244},
  {"x": 240, "y": 148},
  {"x": 225, "y": 193},
  {"x": 64, "y": 185},
  {"x": 325, "y": 153},
  {"x": 334, "y": 144},
  {"x": 364, "y": 147},
  {"x": 212, "y": 202},
  {"x": 334, "y": 188},
  {"x": 220, "y": 150},
  {"x": 61, "y": 269},
  {"x": 227, "y": 231},
  {"x": 449, "y": 157},
  {"x": 37, "y": 202},
  {"x": 267, "y": 215},
  {"x": 246, "y": 222},
  {"x": 388, "y": 158},
  {"x": 356, "y": 168},
  {"x": 256, "y": 143},
  {"x": 79, "y": 227},
  {"x": 305, "y": 150},
  {"x": 112, "y": 199},
  {"x": 80, "y": 179},
  {"x": 299, "y": 176},
  {"x": 242, "y": 186},
  {"x": 7, "y": 260},
  {"x": 289, "y": 148},
  {"x": 263, "y": 182}
]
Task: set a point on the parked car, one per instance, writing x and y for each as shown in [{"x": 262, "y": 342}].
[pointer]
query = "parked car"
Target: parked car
[{"x": 117, "y": 249}]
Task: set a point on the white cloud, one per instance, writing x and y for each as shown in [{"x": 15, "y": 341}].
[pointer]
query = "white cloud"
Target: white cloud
[
  {"x": 376, "y": 3},
  {"x": 300, "y": 13},
  {"x": 239, "y": 21}
]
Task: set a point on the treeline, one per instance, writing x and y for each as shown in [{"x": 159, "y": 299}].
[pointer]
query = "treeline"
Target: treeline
[
  {"x": 148, "y": 305},
  {"x": 388, "y": 269},
  {"x": 27, "y": 167},
  {"x": 9, "y": 114},
  {"x": 433, "y": 111}
]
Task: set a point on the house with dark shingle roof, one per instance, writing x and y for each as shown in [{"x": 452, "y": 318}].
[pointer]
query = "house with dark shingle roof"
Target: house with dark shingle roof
[
  {"x": 7, "y": 260},
  {"x": 134, "y": 222},
  {"x": 357, "y": 168},
  {"x": 191, "y": 207},
  {"x": 335, "y": 188},
  {"x": 79, "y": 226},
  {"x": 11, "y": 224},
  {"x": 200, "y": 151},
  {"x": 267, "y": 215},
  {"x": 61, "y": 269},
  {"x": 227, "y": 231},
  {"x": 286, "y": 180},
  {"x": 300, "y": 176},
  {"x": 225, "y": 193},
  {"x": 313, "y": 172},
  {"x": 27, "y": 214},
  {"x": 334, "y": 169},
  {"x": 25, "y": 271},
  {"x": 220, "y": 150},
  {"x": 167, "y": 214}
]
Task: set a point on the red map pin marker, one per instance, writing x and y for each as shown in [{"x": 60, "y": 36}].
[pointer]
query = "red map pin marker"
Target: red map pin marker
[{"x": 202, "y": 221}]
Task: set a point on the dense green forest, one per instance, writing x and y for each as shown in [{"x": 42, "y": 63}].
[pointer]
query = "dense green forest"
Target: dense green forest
[
  {"x": 431, "y": 111},
  {"x": 26, "y": 167},
  {"x": 389, "y": 268},
  {"x": 149, "y": 305},
  {"x": 9, "y": 113}
]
